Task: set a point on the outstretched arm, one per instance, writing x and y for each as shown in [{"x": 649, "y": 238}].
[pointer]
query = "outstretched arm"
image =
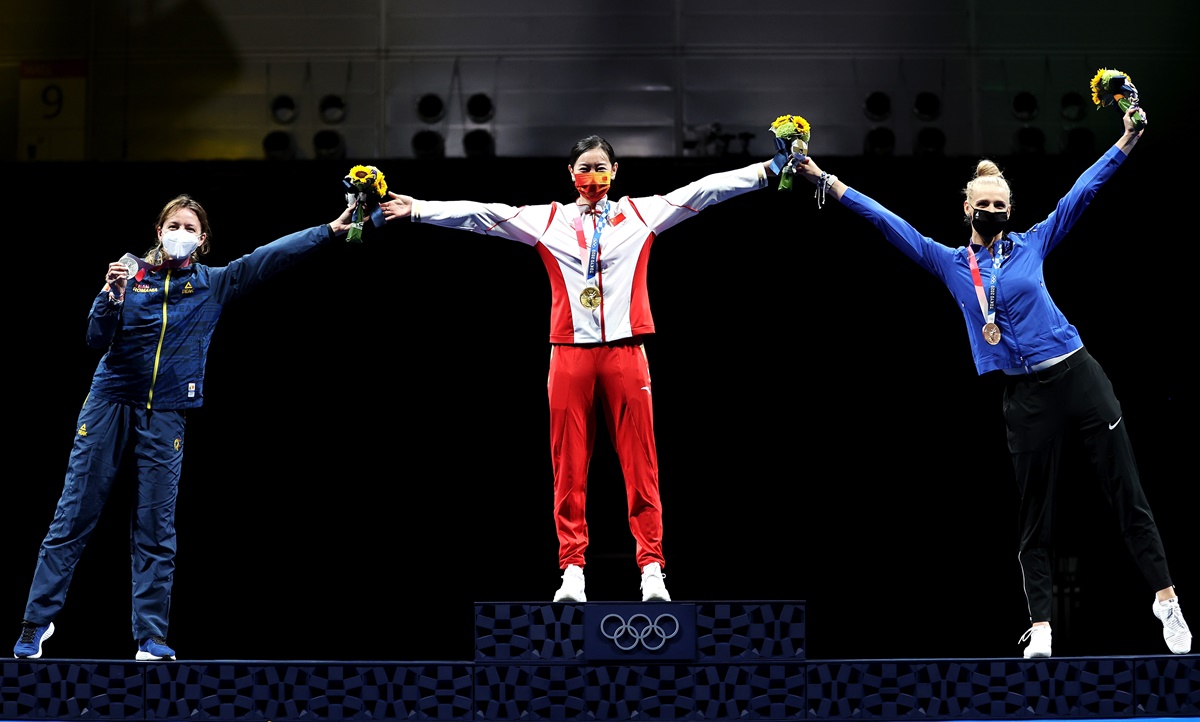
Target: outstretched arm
[
  {"x": 396, "y": 206},
  {"x": 1131, "y": 135},
  {"x": 246, "y": 272},
  {"x": 813, "y": 173},
  {"x": 517, "y": 223},
  {"x": 929, "y": 254},
  {"x": 341, "y": 224},
  {"x": 1047, "y": 234}
]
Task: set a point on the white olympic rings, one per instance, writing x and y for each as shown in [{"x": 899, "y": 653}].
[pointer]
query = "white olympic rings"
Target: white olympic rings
[{"x": 627, "y": 635}]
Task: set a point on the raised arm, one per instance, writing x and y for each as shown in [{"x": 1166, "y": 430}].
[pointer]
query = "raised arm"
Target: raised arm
[
  {"x": 1131, "y": 135},
  {"x": 105, "y": 314}
]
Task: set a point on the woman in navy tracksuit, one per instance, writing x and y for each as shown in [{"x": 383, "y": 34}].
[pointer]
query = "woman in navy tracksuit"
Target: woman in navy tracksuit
[
  {"x": 1054, "y": 388},
  {"x": 156, "y": 318}
]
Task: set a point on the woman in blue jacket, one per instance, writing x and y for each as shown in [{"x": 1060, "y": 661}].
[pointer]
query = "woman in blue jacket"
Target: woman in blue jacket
[
  {"x": 156, "y": 317},
  {"x": 1053, "y": 388}
]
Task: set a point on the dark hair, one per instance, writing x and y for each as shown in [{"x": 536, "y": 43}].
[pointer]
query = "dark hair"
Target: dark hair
[
  {"x": 178, "y": 203},
  {"x": 583, "y": 145}
]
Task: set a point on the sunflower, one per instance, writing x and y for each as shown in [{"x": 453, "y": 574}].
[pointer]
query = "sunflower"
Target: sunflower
[
  {"x": 363, "y": 177},
  {"x": 363, "y": 182},
  {"x": 791, "y": 126},
  {"x": 1102, "y": 91},
  {"x": 1099, "y": 81}
]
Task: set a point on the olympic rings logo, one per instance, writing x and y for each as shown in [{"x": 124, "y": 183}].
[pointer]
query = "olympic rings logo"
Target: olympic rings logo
[{"x": 627, "y": 635}]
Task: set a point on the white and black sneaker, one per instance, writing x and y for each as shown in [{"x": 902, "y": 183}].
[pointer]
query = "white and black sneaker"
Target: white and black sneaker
[{"x": 1175, "y": 630}]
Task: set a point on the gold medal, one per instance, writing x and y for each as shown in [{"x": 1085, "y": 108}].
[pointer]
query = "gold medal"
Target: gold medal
[
  {"x": 991, "y": 333},
  {"x": 590, "y": 298}
]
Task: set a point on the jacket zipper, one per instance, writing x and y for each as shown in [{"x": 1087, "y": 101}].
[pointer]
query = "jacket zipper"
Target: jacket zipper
[{"x": 162, "y": 332}]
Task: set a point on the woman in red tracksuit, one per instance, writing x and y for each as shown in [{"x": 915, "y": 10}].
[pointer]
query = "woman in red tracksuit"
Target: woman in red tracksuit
[{"x": 596, "y": 251}]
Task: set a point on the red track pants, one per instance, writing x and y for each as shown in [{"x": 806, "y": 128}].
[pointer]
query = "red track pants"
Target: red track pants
[{"x": 618, "y": 376}]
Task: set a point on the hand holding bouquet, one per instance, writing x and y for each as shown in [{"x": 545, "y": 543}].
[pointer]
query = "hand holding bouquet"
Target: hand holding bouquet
[
  {"x": 1113, "y": 86},
  {"x": 364, "y": 187},
  {"x": 791, "y": 139}
]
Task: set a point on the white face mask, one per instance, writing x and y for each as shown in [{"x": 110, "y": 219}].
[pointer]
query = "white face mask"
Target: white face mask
[{"x": 180, "y": 244}]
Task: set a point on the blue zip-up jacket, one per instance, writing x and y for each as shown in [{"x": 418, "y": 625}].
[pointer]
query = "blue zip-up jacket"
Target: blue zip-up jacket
[
  {"x": 158, "y": 338},
  {"x": 1032, "y": 327}
]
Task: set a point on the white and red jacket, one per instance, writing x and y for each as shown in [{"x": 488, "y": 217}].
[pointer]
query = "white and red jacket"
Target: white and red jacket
[{"x": 562, "y": 237}]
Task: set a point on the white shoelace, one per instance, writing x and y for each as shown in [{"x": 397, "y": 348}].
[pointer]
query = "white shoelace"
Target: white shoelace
[{"x": 1030, "y": 632}]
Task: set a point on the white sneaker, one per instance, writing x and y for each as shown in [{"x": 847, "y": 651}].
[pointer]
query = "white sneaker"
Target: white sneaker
[
  {"x": 1175, "y": 630},
  {"x": 653, "y": 587},
  {"x": 1039, "y": 641},
  {"x": 572, "y": 585}
]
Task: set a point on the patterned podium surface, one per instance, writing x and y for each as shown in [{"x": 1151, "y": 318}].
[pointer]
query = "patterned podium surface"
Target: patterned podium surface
[{"x": 737, "y": 660}]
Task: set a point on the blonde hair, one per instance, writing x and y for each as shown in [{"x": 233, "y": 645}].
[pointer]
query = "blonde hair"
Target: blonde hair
[{"x": 987, "y": 173}]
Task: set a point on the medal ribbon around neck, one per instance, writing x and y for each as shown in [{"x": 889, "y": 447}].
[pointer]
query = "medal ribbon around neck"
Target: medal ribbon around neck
[
  {"x": 594, "y": 246},
  {"x": 987, "y": 304}
]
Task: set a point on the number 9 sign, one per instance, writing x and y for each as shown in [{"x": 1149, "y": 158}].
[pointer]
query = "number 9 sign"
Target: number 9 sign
[{"x": 52, "y": 110}]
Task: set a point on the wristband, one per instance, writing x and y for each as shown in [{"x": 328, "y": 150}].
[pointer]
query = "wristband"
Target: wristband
[{"x": 824, "y": 183}]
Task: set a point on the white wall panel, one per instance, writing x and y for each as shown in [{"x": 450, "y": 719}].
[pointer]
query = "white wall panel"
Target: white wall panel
[
  {"x": 492, "y": 33},
  {"x": 749, "y": 25},
  {"x": 628, "y": 141},
  {"x": 617, "y": 72}
]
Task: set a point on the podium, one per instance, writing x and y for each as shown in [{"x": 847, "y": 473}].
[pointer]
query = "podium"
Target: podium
[
  {"x": 625, "y": 660},
  {"x": 595, "y": 662}
]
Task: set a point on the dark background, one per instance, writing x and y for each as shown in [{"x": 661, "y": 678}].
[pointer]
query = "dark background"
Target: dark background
[{"x": 373, "y": 459}]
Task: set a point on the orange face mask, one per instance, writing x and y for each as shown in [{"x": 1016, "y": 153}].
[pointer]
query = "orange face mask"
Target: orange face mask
[{"x": 593, "y": 186}]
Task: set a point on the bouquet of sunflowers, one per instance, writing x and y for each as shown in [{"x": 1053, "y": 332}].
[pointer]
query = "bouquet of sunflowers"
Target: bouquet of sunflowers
[
  {"x": 791, "y": 137},
  {"x": 364, "y": 187},
  {"x": 1113, "y": 86}
]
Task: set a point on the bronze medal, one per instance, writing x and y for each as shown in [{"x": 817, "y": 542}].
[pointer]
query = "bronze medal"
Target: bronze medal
[
  {"x": 991, "y": 333},
  {"x": 590, "y": 298}
]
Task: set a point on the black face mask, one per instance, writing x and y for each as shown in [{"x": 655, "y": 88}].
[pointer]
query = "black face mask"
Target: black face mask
[{"x": 989, "y": 223}]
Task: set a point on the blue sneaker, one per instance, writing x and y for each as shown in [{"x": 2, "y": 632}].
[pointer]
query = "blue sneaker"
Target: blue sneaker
[
  {"x": 154, "y": 649},
  {"x": 29, "y": 646}
]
